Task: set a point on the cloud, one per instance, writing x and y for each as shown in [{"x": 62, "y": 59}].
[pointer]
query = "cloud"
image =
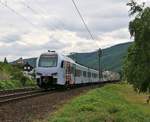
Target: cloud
[
  {"x": 10, "y": 38},
  {"x": 48, "y": 24}
]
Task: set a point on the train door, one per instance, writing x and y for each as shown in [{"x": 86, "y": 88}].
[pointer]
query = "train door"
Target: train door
[
  {"x": 73, "y": 71},
  {"x": 69, "y": 74}
]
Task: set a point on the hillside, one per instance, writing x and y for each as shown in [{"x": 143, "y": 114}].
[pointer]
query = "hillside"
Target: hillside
[{"x": 111, "y": 59}]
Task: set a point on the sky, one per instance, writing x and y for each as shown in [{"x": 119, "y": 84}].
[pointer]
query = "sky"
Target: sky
[{"x": 31, "y": 27}]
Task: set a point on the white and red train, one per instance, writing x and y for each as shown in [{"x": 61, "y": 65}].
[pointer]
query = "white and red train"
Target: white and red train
[{"x": 54, "y": 69}]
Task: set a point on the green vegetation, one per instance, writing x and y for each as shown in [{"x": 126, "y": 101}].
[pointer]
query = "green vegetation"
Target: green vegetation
[
  {"x": 111, "y": 103},
  {"x": 137, "y": 63},
  {"x": 12, "y": 77}
]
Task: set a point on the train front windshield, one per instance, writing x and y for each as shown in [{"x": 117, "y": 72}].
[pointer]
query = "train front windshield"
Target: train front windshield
[{"x": 48, "y": 61}]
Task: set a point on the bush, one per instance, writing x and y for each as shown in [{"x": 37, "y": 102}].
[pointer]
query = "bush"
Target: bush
[{"x": 12, "y": 77}]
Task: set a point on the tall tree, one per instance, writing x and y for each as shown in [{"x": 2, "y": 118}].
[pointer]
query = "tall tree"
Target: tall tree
[
  {"x": 5, "y": 60},
  {"x": 137, "y": 62},
  {"x": 135, "y": 7}
]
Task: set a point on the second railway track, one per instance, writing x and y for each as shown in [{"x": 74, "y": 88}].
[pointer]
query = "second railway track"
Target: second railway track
[{"x": 9, "y": 97}]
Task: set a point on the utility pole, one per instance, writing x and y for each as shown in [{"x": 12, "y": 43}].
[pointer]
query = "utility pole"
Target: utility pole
[
  {"x": 99, "y": 63},
  {"x": 76, "y": 57}
]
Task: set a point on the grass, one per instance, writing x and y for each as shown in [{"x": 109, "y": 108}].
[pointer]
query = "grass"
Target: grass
[
  {"x": 14, "y": 84},
  {"x": 112, "y": 103}
]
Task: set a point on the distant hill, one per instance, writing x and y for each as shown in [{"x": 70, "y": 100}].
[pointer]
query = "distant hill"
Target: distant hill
[
  {"x": 111, "y": 58},
  {"x": 31, "y": 61}
]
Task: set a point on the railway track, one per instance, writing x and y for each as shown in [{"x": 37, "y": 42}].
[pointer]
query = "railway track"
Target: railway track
[
  {"x": 9, "y": 97},
  {"x": 17, "y": 90}
]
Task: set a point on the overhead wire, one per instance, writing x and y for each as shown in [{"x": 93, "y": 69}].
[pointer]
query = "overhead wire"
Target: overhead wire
[
  {"x": 46, "y": 11},
  {"x": 24, "y": 18},
  {"x": 4, "y": 3},
  {"x": 18, "y": 14},
  {"x": 35, "y": 12},
  {"x": 83, "y": 21},
  {"x": 88, "y": 30}
]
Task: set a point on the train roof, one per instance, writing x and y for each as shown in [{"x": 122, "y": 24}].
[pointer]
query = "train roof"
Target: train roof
[
  {"x": 66, "y": 58},
  {"x": 72, "y": 61}
]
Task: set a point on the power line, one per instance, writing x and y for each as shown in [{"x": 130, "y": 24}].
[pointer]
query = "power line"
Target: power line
[
  {"x": 29, "y": 7},
  {"x": 45, "y": 10},
  {"x": 36, "y": 12},
  {"x": 12, "y": 10},
  {"x": 86, "y": 27},
  {"x": 20, "y": 15},
  {"x": 43, "y": 17}
]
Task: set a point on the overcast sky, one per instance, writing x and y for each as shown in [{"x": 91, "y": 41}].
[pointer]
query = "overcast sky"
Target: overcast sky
[{"x": 30, "y": 27}]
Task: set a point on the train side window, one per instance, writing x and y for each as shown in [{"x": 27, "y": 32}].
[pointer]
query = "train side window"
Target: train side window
[
  {"x": 93, "y": 75},
  {"x": 89, "y": 74},
  {"x": 84, "y": 73},
  {"x": 78, "y": 73},
  {"x": 97, "y": 75},
  {"x": 75, "y": 72},
  {"x": 62, "y": 64},
  {"x": 71, "y": 70}
]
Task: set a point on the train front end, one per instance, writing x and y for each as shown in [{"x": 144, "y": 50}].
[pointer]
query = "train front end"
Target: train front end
[{"x": 47, "y": 70}]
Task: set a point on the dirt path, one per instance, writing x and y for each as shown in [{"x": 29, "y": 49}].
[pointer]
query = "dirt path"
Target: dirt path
[{"x": 38, "y": 107}]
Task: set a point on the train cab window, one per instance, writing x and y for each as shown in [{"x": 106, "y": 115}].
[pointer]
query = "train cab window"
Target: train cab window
[
  {"x": 89, "y": 74},
  {"x": 48, "y": 60}
]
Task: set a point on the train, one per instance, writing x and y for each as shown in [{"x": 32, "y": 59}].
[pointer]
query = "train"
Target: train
[{"x": 55, "y": 69}]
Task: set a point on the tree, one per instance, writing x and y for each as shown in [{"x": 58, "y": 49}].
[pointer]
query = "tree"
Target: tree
[
  {"x": 135, "y": 7},
  {"x": 5, "y": 60},
  {"x": 137, "y": 62}
]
